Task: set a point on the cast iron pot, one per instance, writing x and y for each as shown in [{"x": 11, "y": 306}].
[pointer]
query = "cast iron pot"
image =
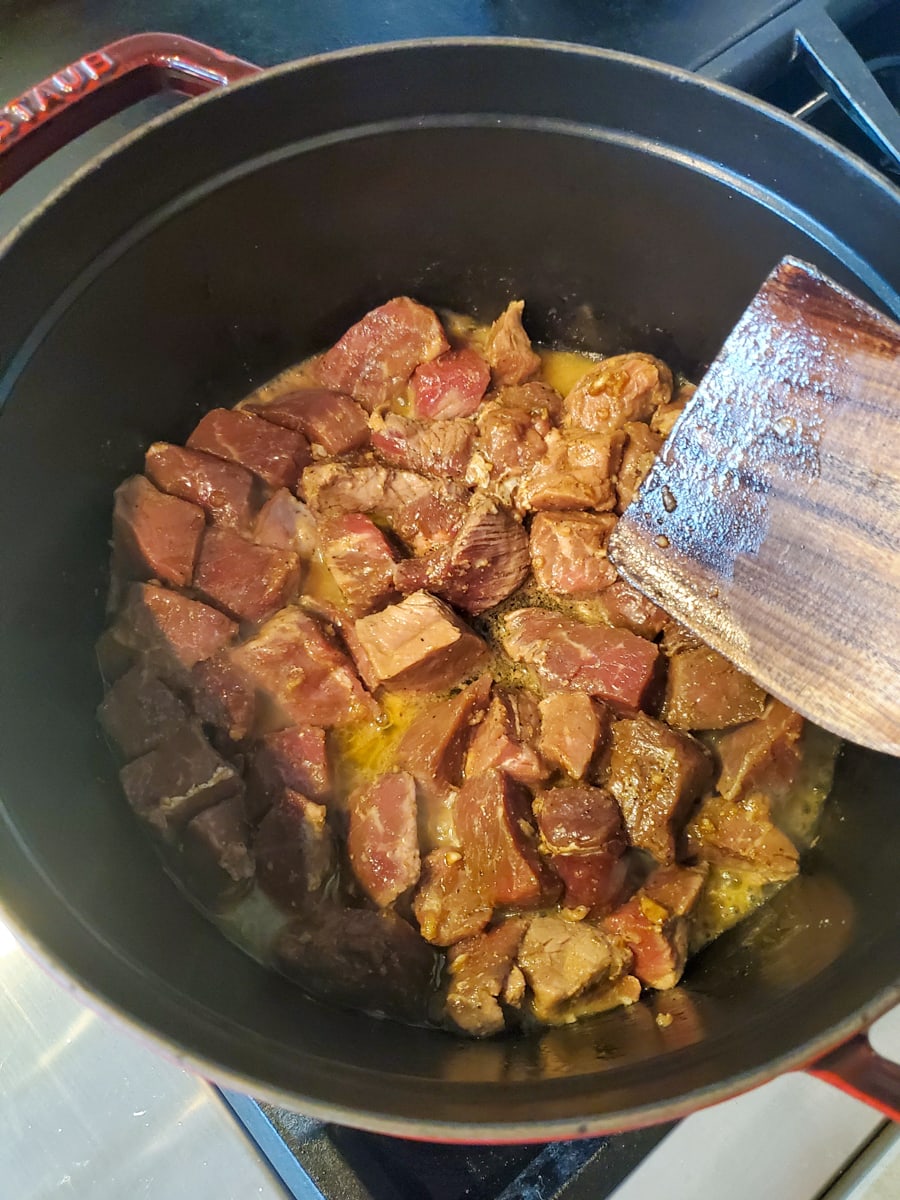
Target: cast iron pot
[{"x": 632, "y": 205}]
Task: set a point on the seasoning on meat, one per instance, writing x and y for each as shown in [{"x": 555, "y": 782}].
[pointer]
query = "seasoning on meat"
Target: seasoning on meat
[
  {"x": 447, "y": 903},
  {"x": 741, "y": 833},
  {"x": 224, "y": 490},
  {"x": 453, "y": 385},
  {"x": 434, "y": 746},
  {"x": 478, "y": 969},
  {"x": 285, "y": 523},
  {"x": 382, "y": 841},
  {"x": 506, "y": 739},
  {"x": 331, "y": 422},
  {"x": 595, "y": 882},
  {"x": 653, "y": 924},
  {"x": 139, "y": 711},
  {"x": 568, "y": 552},
  {"x": 420, "y": 643},
  {"x": 573, "y": 727},
  {"x": 438, "y": 448},
  {"x": 155, "y": 536},
  {"x": 247, "y": 581},
  {"x": 508, "y": 347},
  {"x": 578, "y": 472},
  {"x": 431, "y": 521},
  {"x": 294, "y": 850},
  {"x": 641, "y": 448},
  {"x": 513, "y": 426},
  {"x": 275, "y": 454},
  {"x": 624, "y": 607},
  {"x": 706, "y": 691},
  {"x": 360, "y": 560},
  {"x": 169, "y": 631},
  {"x": 222, "y": 697},
  {"x": 624, "y": 388},
  {"x": 216, "y": 842},
  {"x": 296, "y": 759},
  {"x": 763, "y": 755}
]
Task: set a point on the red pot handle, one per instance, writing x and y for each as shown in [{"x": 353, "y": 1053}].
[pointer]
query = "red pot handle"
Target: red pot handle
[
  {"x": 102, "y": 83},
  {"x": 855, "y": 1068}
]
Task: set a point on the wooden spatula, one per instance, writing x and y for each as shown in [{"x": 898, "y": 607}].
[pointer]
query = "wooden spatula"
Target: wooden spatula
[{"x": 770, "y": 523}]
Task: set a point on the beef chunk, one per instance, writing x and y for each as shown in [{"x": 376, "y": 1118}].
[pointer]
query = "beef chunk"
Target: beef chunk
[
  {"x": 763, "y": 755},
  {"x": 624, "y": 388},
  {"x": 666, "y": 415},
  {"x": 223, "y": 490},
  {"x": 374, "y": 359},
  {"x": 364, "y": 959},
  {"x": 573, "y": 727},
  {"x": 656, "y": 774},
  {"x": 577, "y": 472},
  {"x": 706, "y": 691},
  {"x": 178, "y": 779},
  {"x": 331, "y": 423},
  {"x": 155, "y": 536},
  {"x": 569, "y": 961},
  {"x": 215, "y": 845},
  {"x": 285, "y": 523},
  {"x": 641, "y": 448},
  {"x": 612, "y": 664},
  {"x": 657, "y": 940},
  {"x": 478, "y": 970},
  {"x": 568, "y": 552},
  {"x": 448, "y": 904},
  {"x": 222, "y": 696},
  {"x": 438, "y": 448},
  {"x": 336, "y": 487},
  {"x": 676, "y": 888},
  {"x": 595, "y": 882},
  {"x": 506, "y": 740},
  {"x": 139, "y": 712},
  {"x": 508, "y": 347},
  {"x": 429, "y": 522},
  {"x": 740, "y": 833},
  {"x": 624, "y": 607},
  {"x": 498, "y": 844},
  {"x": 419, "y": 643},
  {"x": 247, "y": 581},
  {"x": 304, "y": 673},
  {"x": 295, "y": 758},
  {"x": 578, "y": 820},
  {"x": 294, "y": 850},
  {"x": 434, "y": 746},
  {"x": 383, "y": 842},
  {"x": 275, "y": 454},
  {"x": 512, "y": 437},
  {"x": 171, "y": 632},
  {"x": 450, "y": 386},
  {"x": 359, "y": 558}
]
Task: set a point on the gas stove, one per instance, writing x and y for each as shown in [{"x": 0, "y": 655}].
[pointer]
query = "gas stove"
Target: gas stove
[{"x": 88, "y": 1112}]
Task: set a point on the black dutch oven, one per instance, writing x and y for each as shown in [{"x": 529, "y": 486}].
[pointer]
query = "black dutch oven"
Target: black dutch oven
[{"x": 632, "y": 205}]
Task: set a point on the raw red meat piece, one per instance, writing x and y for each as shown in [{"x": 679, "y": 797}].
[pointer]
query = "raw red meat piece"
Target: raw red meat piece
[
  {"x": 437, "y": 448},
  {"x": 294, "y": 850},
  {"x": 221, "y": 696},
  {"x": 139, "y": 711},
  {"x": 216, "y": 852},
  {"x": 155, "y": 536},
  {"x": 706, "y": 691},
  {"x": 285, "y": 523},
  {"x": 626, "y": 387},
  {"x": 508, "y": 347},
  {"x": 597, "y": 881},
  {"x": 450, "y": 386},
  {"x": 246, "y": 580},
  {"x": 624, "y": 607},
  {"x": 171, "y": 631},
  {"x": 568, "y": 552},
  {"x": 505, "y": 739},
  {"x": 224, "y": 490},
  {"x": 275, "y": 454},
  {"x": 295, "y": 758},
  {"x": 360, "y": 559},
  {"x": 382, "y": 842},
  {"x": 431, "y": 521},
  {"x": 579, "y": 820},
  {"x": 434, "y": 746},
  {"x": 652, "y": 924},
  {"x": 327, "y": 419},
  {"x": 573, "y": 727}
]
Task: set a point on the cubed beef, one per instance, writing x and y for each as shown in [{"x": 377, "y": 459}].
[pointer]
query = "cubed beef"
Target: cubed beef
[
  {"x": 437, "y": 448},
  {"x": 247, "y": 581},
  {"x": 360, "y": 560},
  {"x": 430, "y": 522},
  {"x": 578, "y": 820},
  {"x": 222, "y": 696},
  {"x": 303, "y": 672},
  {"x": 171, "y": 632},
  {"x": 448, "y": 904},
  {"x": 217, "y": 842},
  {"x": 285, "y": 523},
  {"x": 676, "y": 888},
  {"x": 382, "y": 842},
  {"x": 740, "y": 833},
  {"x": 641, "y": 448},
  {"x": 763, "y": 755},
  {"x": 420, "y": 643},
  {"x": 275, "y": 454},
  {"x": 676, "y": 638},
  {"x": 568, "y": 552},
  {"x": 331, "y": 423},
  {"x": 364, "y": 959},
  {"x": 337, "y": 487},
  {"x": 663, "y": 420},
  {"x": 612, "y": 664},
  {"x": 573, "y": 727},
  {"x": 624, "y": 388},
  {"x": 512, "y": 437},
  {"x": 654, "y": 927},
  {"x": 508, "y": 347},
  {"x": 434, "y": 746},
  {"x": 374, "y": 359},
  {"x": 155, "y": 536},
  {"x": 450, "y": 386},
  {"x": 596, "y": 882},
  {"x": 577, "y": 472},
  {"x": 656, "y": 774},
  {"x": 295, "y": 758},
  {"x": 294, "y": 848},
  {"x": 223, "y": 490},
  {"x": 139, "y": 712},
  {"x": 706, "y": 691},
  {"x": 565, "y": 961},
  {"x": 624, "y": 607},
  {"x": 478, "y": 970},
  {"x": 498, "y": 843},
  {"x": 178, "y": 779},
  {"x": 506, "y": 740}
]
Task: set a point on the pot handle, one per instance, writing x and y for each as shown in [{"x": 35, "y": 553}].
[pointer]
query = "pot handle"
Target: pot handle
[
  {"x": 99, "y": 85},
  {"x": 855, "y": 1068}
]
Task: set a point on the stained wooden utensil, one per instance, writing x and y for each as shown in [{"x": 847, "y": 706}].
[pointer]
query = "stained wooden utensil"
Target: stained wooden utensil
[{"x": 770, "y": 523}]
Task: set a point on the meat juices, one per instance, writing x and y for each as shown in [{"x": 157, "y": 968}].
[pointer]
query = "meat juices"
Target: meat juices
[{"x": 369, "y": 665}]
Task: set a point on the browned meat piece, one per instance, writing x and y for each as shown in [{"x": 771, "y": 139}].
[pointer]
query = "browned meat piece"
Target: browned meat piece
[
  {"x": 285, "y": 523},
  {"x": 512, "y": 436},
  {"x": 247, "y": 581},
  {"x": 342, "y": 487},
  {"x": 303, "y": 672},
  {"x": 447, "y": 903},
  {"x": 169, "y": 631},
  {"x": 676, "y": 638},
  {"x": 577, "y": 472},
  {"x": 653, "y": 925},
  {"x": 610, "y": 663},
  {"x": 763, "y": 755},
  {"x": 508, "y": 347},
  {"x": 740, "y": 833},
  {"x": 663, "y": 420},
  {"x": 364, "y": 959},
  {"x": 294, "y": 850},
  {"x": 706, "y": 691},
  {"x": 578, "y": 820},
  {"x": 182, "y": 776},
  {"x": 222, "y": 697},
  {"x": 498, "y": 844},
  {"x": 478, "y": 970},
  {"x": 139, "y": 712},
  {"x": 568, "y": 552},
  {"x": 155, "y": 536},
  {"x": 506, "y": 740},
  {"x": 573, "y": 727},
  {"x": 217, "y": 840},
  {"x": 641, "y": 448},
  {"x": 360, "y": 560},
  {"x": 331, "y": 423},
  {"x": 595, "y": 882},
  {"x": 374, "y": 359},
  {"x": 434, "y": 747},
  {"x": 295, "y": 758},
  {"x": 656, "y": 774},
  {"x": 438, "y": 448},
  {"x": 275, "y": 454},
  {"x": 383, "y": 842},
  {"x": 451, "y": 386},
  {"x": 567, "y": 961},
  {"x": 420, "y": 643},
  {"x": 431, "y": 521},
  {"x": 624, "y": 388},
  {"x": 676, "y": 888},
  {"x": 624, "y": 607},
  {"x": 223, "y": 490}
]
